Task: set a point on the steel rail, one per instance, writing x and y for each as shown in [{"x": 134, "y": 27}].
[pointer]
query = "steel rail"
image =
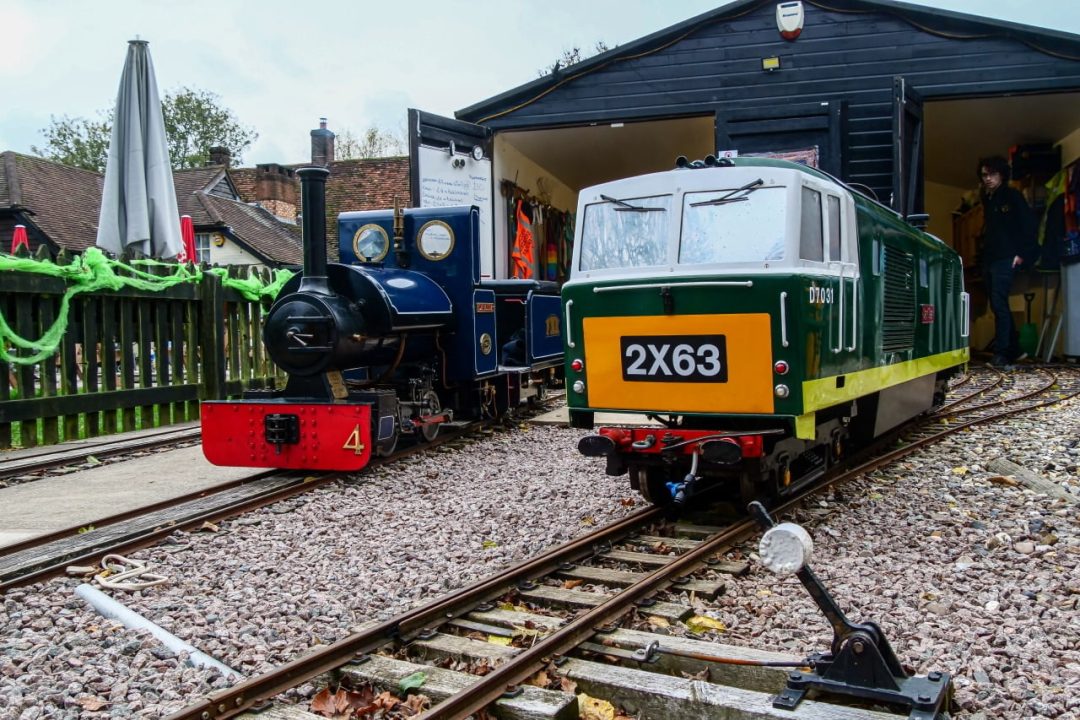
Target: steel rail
[
  {"x": 47, "y": 538},
  {"x": 914, "y": 445},
  {"x": 232, "y": 701},
  {"x": 56, "y": 565},
  {"x": 1051, "y": 381},
  {"x": 243, "y": 696},
  {"x": 68, "y": 456},
  {"x": 141, "y": 539},
  {"x": 970, "y": 396},
  {"x": 490, "y": 687}
]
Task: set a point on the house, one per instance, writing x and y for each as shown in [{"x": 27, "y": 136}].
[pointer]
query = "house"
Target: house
[
  {"x": 359, "y": 184},
  {"x": 59, "y": 205}
]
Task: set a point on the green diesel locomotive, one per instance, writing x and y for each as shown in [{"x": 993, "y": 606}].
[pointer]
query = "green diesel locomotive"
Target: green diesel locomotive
[{"x": 762, "y": 314}]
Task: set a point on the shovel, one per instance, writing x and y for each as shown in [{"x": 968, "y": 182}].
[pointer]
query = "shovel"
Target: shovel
[{"x": 1029, "y": 334}]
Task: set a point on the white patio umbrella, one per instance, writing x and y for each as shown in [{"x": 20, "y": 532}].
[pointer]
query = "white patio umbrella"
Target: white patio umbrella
[{"x": 138, "y": 202}]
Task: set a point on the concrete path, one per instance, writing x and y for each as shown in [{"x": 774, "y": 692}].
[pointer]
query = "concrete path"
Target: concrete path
[{"x": 80, "y": 498}]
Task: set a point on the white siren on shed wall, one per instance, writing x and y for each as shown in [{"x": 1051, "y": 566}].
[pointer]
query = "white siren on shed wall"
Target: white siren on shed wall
[{"x": 789, "y": 19}]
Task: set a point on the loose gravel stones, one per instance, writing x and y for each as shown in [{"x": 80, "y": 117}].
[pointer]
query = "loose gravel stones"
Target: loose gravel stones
[
  {"x": 966, "y": 572},
  {"x": 275, "y": 583}
]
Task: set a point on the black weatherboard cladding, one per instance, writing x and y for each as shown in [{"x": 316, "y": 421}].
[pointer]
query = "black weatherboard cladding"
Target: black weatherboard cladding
[{"x": 849, "y": 53}]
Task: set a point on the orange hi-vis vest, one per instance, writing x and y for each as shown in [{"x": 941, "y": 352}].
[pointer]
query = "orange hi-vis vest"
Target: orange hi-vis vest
[{"x": 521, "y": 257}]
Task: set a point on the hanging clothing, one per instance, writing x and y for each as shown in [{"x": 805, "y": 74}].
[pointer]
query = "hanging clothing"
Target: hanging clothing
[
  {"x": 566, "y": 246},
  {"x": 521, "y": 257}
]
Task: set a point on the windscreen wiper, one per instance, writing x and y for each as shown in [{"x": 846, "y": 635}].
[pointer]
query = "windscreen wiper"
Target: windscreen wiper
[
  {"x": 627, "y": 207},
  {"x": 747, "y": 188}
]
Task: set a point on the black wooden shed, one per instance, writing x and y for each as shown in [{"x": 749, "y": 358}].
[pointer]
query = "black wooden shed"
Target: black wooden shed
[{"x": 898, "y": 98}]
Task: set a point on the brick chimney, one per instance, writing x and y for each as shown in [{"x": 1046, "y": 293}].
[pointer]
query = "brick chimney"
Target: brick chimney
[
  {"x": 220, "y": 156},
  {"x": 275, "y": 190},
  {"x": 322, "y": 145}
]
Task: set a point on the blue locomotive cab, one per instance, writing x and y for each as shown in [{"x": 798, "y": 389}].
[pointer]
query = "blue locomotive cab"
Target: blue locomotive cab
[{"x": 507, "y": 331}]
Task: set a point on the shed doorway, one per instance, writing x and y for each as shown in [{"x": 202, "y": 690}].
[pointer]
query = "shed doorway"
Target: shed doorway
[
  {"x": 1044, "y": 132},
  {"x": 551, "y": 165}
]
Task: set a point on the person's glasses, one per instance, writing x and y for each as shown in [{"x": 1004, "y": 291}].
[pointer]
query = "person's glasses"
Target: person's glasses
[{"x": 988, "y": 174}]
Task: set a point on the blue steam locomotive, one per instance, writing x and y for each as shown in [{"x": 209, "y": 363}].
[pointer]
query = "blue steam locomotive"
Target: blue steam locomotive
[{"x": 394, "y": 341}]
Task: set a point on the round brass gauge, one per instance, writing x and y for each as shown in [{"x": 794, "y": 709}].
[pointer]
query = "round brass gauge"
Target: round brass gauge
[
  {"x": 370, "y": 243},
  {"x": 435, "y": 241},
  {"x": 485, "y": 344}
]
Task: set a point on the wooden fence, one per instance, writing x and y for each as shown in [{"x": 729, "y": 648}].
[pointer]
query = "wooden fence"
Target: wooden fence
[{"x": 129, "y": 359}]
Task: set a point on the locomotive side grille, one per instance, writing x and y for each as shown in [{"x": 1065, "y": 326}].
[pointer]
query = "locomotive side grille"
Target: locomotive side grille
[
  {"x": 949, "y": 281},
  {"x": 898, "y": 330}
]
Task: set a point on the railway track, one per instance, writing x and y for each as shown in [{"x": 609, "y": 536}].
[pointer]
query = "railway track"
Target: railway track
[
  {"x": 46, "y": 459},
  {"x": 45, "y": 556},
  {"x": 517, "y": 646}
]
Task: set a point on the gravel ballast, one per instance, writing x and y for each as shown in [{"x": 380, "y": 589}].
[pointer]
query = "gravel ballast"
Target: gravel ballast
[
  {"x": 964, "y": 571},
  {"x": 271, "y": 585}
]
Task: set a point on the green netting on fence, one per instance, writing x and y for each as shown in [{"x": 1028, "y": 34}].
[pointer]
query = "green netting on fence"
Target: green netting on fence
[{"x": 93, "y": 271}]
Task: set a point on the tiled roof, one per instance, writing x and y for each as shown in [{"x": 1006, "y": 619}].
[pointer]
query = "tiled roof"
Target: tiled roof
[
  {"x": 361, "y": 184},
  {"x": 64, "y": 202},
  {"x": 193, "y": 180},
  {"x": 256, "y": 228},
  {"x": 244, "y": 180}
]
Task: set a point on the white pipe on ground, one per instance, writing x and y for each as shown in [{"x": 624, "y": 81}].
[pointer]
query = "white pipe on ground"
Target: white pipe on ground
[{"x": 112, "y": 609}]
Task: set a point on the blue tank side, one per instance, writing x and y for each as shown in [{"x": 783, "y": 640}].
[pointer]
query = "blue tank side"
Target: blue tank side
[{"x": 545, "y": 327}]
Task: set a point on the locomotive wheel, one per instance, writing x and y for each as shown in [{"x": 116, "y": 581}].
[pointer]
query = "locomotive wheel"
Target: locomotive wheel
[
  {"x": 651, "y": 483},
  {"x": 431, "y": 401}
]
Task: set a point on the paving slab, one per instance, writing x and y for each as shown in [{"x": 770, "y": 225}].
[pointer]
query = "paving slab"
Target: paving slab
[
  {"x": 80, "y": 498},
  {"x": 561, "y": 416}
]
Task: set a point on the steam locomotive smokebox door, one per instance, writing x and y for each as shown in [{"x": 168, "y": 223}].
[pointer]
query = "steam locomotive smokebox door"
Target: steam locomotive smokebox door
[{"x": 543, "y": 318}]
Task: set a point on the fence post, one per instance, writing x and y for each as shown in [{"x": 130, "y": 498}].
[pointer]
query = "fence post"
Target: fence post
[{"x": 212, "y": 336}]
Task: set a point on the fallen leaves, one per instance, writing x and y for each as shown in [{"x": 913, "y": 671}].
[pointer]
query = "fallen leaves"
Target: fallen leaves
[
  {"x": 590, "y": 708},
  {"x": 412, "y": 682},
  {"x": 345, "y": 704},
  {"x": 92, "y": 704},
  {"x": 1006, "y": 480},
  {"x": 700, "y": 624}
]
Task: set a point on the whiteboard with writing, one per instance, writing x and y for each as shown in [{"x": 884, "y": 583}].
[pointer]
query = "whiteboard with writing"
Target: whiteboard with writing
[{"x": 460, "y": 180}]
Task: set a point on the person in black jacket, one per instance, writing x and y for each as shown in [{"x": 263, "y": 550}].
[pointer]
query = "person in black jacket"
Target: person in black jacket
[{"x": 1008, "y": 242}]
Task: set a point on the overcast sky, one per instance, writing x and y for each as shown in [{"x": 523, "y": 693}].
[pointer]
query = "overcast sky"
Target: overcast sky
[{"x": 279, "y": 65}]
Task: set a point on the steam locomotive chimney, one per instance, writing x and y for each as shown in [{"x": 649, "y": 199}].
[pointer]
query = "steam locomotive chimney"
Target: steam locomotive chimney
[{"x": 313, "y": 202}]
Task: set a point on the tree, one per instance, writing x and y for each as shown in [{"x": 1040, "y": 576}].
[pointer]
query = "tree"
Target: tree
[
  {"x": 571, "y": 57},
  {"x": 194, "y": 122},
  {"x": 78, "y": 142},
  {"x": 373, "y": 143}
]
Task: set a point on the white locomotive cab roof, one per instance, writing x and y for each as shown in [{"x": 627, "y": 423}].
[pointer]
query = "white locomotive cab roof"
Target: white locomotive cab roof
[{"x": 742, "y": 219}]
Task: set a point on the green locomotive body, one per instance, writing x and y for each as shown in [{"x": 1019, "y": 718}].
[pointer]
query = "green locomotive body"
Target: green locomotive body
[{"x": 763, "y": 313}]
